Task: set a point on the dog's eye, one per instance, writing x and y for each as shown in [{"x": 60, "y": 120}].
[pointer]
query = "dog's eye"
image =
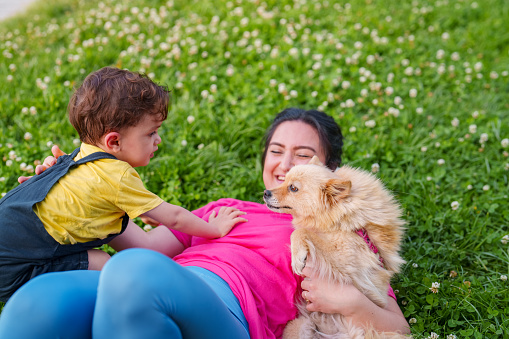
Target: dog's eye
[{"x": 293, "y": 188}]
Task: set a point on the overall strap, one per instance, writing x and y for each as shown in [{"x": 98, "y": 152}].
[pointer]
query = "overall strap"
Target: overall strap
[{"x": 94, "y": 156}]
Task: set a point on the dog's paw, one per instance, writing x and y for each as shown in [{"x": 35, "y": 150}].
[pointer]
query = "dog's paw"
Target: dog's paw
[{"x": 299, "y": 260}]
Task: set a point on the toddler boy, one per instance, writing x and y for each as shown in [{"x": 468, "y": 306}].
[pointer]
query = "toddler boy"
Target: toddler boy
[{"x": 55, "y": 220}]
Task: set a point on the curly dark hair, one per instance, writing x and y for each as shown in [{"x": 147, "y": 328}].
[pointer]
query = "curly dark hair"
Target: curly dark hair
[{"x": 112, "y": 99}]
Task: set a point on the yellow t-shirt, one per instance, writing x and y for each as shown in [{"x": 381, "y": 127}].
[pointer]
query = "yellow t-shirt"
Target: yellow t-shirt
[{"x": 88, "y": 203}]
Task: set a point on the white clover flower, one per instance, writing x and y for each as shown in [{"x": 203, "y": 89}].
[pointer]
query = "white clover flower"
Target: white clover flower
[
  {"x": 345, "y": 84},
  {"x": 440, "y": 162},
  {"x": 294, "y": 93},
  {"x": 393, "y": 111},
  {"x": 358, "y": 45},
  {"x": 184, "y": 143},
  {"x": 424, "y": 149},
  {"x": 364, "y": 92},
  {"x": 2, "y": 179},
  {"x": 483, "y": 138},
  {"x": 3, "y": 194},
  {"x": 504, "y": 143},
  {"x": 314, "y": 94},
  {"x": 375, "y": 168},
  {"x": 419, "y": 110},
  {"x": 412, "y": 93},
  {"x": 204, "y": 94},
  {"x": 27, "y": 136},
  {"x": 147, "y": 228},
  {"x": 433, "y": 335},
  {"x": 472, "y": 128},
  {"x": 8, "y": 163},
  {"x": 200, "y": 146},
  {"x": 503, "y": 277},
  {"x": 469, "y": 187},
  {"x": 10, "y": 77},
  {"x": 12, "y": 155},
  {"x": 505, "y": 239},
  {"x": 440, "y": 54},
  {"x": 451, "y": 336},
  {"x": 415, "y": 265},
  {"x": 33, "y": 110},
  {"x": 389, "y": 90},
  {"x": 190, "y": 119},
  {"x": 370, "y": 123},
  {"x": 272, "y": 82},
  {"x": 445, "y": 36},
  {"x": 412, "y": 321},
  {"x": 398, "y": 101},
  {"x": 486, "y": 188},
  {"x": 352, "y": 129},
  {"x": 455, "y": 122},
  {"x": 229, "y": 70},
  {"x": 349, "y": 103},
  {"x": 478, "y": 66},
  {"x": 434, "y": 287},
  {"x": 455, "y": 205},
  {"x": 455, "y": 56}
]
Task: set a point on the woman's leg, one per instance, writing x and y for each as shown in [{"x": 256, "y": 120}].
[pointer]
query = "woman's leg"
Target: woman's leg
[
  {"x": 144, "y": 294},
  {"x": 52, "y": 305}
]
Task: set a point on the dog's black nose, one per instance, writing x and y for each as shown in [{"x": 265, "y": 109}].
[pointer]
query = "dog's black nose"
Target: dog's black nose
[{"x": 267, "y": 194}]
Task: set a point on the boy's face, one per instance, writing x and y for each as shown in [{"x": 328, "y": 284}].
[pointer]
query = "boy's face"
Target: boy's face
[{"x": 138, "y": 143}]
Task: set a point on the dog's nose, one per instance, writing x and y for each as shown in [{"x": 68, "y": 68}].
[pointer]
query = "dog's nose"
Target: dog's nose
[{"x": 267, "y": 194}]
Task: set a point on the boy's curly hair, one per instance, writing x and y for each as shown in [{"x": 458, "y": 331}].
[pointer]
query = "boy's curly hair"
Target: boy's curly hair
[{"x": 112, "y": 99}]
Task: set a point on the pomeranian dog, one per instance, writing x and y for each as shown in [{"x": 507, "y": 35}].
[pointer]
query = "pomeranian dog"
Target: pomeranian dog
[{"x": 330, "y": 210}]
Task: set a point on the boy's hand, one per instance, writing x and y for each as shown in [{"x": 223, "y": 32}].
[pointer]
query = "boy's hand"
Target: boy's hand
[
  {"x": 48, "y": 162},
  {"x": 226, "y": 218}
]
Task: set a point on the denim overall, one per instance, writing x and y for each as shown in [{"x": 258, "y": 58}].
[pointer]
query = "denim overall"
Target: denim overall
[{"x": 26, "y": 248}]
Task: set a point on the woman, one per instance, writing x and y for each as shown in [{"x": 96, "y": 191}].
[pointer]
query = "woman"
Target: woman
[{"x": 238, "y": 286}]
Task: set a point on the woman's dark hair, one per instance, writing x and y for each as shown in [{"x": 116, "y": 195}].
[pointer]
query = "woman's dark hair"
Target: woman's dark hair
[{"x": 329, "y": 132}]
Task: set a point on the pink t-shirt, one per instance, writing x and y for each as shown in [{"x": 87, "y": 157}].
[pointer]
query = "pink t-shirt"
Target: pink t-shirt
[{"x": 254, "y": 259}]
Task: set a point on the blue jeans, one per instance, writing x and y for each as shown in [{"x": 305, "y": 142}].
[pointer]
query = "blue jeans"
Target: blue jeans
[{"x": 139, "y": 294}]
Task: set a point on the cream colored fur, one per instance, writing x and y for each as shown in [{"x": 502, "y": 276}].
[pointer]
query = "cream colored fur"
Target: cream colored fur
[{"x": 328, "y": 208}]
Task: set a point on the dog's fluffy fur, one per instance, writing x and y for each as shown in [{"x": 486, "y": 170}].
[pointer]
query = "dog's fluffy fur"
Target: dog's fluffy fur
[{"x": 328, "y": 208}]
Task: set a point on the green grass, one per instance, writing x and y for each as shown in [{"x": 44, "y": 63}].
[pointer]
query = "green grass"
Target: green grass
[{"x": 351, "y": 60}]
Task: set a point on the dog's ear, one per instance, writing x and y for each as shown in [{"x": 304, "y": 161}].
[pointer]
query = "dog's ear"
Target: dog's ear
[
  {"x": 336, "y": 189},
  {"x": 315, "y": 161}
]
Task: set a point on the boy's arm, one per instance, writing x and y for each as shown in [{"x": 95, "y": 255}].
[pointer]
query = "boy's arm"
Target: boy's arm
[
  {"x": 159, "y": 239},
  {"x": 180, "y": 219}
]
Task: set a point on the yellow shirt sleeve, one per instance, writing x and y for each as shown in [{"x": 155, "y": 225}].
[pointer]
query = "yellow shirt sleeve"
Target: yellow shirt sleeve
[{"x": 133, "y": 197}]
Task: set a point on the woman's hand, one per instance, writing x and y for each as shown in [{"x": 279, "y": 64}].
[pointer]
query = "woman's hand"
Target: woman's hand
[
  {"x": 329, "y": 297},
  {"x": 48, "y": 162}
]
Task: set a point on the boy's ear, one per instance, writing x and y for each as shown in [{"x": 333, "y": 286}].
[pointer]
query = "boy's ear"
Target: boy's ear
[
  {"x": 112, "y": 141},
  {"x": 315, "y": 161},
  {"x": 336, "y": 189}
]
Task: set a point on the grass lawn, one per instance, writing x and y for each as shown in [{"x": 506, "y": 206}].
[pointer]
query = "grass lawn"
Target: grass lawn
[{"x": 420, "y": 88}]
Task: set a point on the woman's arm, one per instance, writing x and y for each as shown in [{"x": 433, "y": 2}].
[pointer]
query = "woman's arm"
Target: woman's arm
[
  {"x": 347, "y": 300},
  {"x": 159, "y": 239}
]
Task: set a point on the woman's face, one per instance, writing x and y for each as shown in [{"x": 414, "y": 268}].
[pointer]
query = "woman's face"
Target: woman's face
[{"x": 293, "y": 143}]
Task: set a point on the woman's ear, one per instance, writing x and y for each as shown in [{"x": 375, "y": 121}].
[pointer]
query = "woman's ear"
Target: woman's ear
[{"x": 112, "y": 142}]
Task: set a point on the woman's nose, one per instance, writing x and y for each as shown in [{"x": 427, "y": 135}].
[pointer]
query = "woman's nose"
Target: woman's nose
[{"x": 286, "y": 163}]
